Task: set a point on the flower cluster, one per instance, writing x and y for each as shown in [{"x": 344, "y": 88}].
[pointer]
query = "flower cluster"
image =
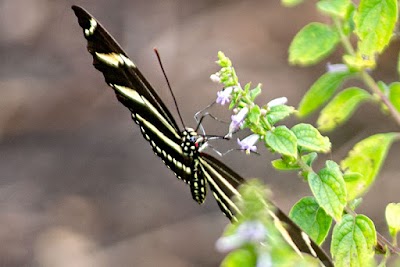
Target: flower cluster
[{"x": 241, "y": 100}]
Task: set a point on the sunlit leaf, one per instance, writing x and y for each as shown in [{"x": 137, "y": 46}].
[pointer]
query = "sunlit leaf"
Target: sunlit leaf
[
  {"x": 353, "y": 242},
  {"x": 366, "y": 158}
]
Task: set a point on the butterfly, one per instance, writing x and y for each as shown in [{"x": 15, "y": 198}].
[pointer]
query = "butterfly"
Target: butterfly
[{"x": 180, "y": 150}]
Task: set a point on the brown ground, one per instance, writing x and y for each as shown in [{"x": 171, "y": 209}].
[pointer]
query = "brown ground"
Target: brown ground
[{"x": 79, "y": 186}]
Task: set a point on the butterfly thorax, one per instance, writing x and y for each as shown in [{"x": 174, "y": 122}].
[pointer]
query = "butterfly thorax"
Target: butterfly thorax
[{"x": 191, "y": 145}]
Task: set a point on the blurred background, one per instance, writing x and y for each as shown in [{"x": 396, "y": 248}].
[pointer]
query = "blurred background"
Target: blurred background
[{"x": 79, "y": 186}]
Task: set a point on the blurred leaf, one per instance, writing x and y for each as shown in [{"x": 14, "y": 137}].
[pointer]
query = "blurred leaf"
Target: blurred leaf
[
  {"x": 312, "y": 43},
  {"x": 336, "y": 8},
  {"x": 240, "y": 257},
  {"x": 341, "y": 108},
  {"x": 290, "y": 3},
  {"x": 310, "y": 139},
  {"x": 353, "y": 241},
  {"x": 375, "y": 21},
  {"x": 282, "y": 140},
  {"x": 392, "y": 214},
  {"x": 329, "y": 189},
  {"x": 321, "y": 91},
  {"x": 394, "y": 95},
  {"x": 366, "y": 158},
  {"x": 311, "y": 218}
]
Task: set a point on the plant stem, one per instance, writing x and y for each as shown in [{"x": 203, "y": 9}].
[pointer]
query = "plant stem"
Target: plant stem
[{"x": 370, "y": 82}]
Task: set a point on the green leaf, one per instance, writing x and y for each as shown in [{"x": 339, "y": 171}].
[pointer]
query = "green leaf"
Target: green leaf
[
  {"x": 253, "y": 116},
  {"x": 366, "y": 158},
  {"x": 309, "y": 158},
  {"x": 290, "y": 3},
  {"x": 352, "y": 176},
  {"x": 312, "y": 43},
  {"x": 255, "y": 92},
  {"x": 311, "y": 218},
  {"x": 240, "y": 257},
  {"x": 359, "y": 62},
  {"x": 353, "y": 241},
  {"x": 282, "y": 165},
  {"x": 392, "y": 214},
  {"x": 375, "y": 22},
  {"x": 278, "y": 113},
  {"x": 336, "y": 8},
  {"x": 329, "y": 189},
  {"x": 394, "y": 95},
  {"x": 321, "y": 91},
  {"x": 282, "y": 140},
  {"x": 341, "y": 108},
  {"x": 310, "y": 139}
]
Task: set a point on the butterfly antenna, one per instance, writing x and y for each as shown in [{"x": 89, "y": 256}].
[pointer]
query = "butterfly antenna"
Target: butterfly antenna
[{"x": 169, "y": 85}]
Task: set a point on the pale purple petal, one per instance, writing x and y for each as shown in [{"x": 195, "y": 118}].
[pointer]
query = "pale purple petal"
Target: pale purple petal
[
  {"x": 237, "y": 120},
  {"x": 224, "y": 96},
  {"x": 252, "y": 231},
  {"x": 248, "y": 143},
  {"x": 336, "y": 67},
  {"x": 247, "y": 232}
]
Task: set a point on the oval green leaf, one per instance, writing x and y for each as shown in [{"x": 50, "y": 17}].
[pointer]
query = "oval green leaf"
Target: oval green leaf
[
  {"x": 310, "y": 139},
  {"x": 282, "y": 140},
  {"x": 375, "y": 21},
  {"x": 341, "y": 108},
  {"x": 311, "y": 218},
  {"x": 366, "y": 158},
  {"x": 321, "y": 91},
  {"x": 312, "y": 43},
  {"x": 329, "y": 189},
  {"x": 353, "y": 241}
]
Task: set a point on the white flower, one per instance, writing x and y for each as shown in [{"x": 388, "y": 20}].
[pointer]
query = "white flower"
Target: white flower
[
  {"x": 215, "y": 78},
  {"x": 277, "y": 101}
]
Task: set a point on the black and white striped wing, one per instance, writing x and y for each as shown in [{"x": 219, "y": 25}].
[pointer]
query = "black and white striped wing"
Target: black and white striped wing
[
  {"x": 135, "y": 92},
  {"x": 223, "y": 182}
]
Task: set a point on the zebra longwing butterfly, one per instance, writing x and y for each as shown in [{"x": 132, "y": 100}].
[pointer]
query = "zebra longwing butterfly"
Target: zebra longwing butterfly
[{"x": 181, "y": 151}]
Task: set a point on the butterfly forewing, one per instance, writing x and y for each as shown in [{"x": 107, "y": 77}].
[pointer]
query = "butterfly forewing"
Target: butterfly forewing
[{"x": 118, "y": 69}]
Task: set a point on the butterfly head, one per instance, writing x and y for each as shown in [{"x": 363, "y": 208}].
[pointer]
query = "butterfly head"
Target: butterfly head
[{"x": 192, "y": 142}]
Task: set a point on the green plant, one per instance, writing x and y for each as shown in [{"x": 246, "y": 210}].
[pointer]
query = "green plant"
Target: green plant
[{"x": 337, "y": 188}]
